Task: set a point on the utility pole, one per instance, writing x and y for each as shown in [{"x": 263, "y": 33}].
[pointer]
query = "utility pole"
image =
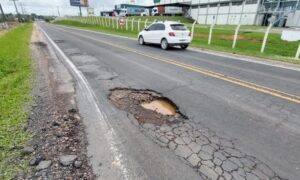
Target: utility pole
[
  {"x": 198, "y": 11},
  {"x": 3, "y": 15},
  {"x": 16, "y": 9},
  {"x": 22, "y": 8},
  {"x": 15, "y": 6},
  {"x": 80, "y": 13},
  {"x": 58, "y": 11}
]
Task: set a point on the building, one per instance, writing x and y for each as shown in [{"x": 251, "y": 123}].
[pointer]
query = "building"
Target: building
[{"x": 245, "y": 12}]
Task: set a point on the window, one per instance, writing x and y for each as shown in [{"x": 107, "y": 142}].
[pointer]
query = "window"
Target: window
[
  {"x": 178, "y": 27},
  {"x": 213, "y": 5},
  {"x": 152, "y": 27},
  {"x": 160, "y": 27},
  {"x": 251, "y": 1},
  {"x": 238, "y": 3},
  {"x": 203, "y": 6},
  {"x": 224, "y": 4}
]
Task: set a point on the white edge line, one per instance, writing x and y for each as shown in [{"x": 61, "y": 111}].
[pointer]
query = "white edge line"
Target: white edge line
[
  {"x": 110, "y": 134},
  {"x": 220, "y": 54}
]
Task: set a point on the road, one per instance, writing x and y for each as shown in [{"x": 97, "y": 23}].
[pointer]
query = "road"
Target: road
[{"x": 254, "y": 105}]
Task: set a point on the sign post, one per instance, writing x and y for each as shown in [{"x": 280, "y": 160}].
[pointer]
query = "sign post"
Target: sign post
[{"x": 80, "y": 13}]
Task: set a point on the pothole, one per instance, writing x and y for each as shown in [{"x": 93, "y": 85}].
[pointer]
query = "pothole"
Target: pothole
[{"x": 146, "y": 106}]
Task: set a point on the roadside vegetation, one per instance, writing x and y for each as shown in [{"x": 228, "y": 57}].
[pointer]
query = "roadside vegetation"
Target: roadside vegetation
[
  {"x": 15, "y": 95},
  {"x": 249, "y": 41}
]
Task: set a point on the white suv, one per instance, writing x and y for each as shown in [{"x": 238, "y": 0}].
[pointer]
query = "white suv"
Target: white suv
[{"x": 166, "y": 34}]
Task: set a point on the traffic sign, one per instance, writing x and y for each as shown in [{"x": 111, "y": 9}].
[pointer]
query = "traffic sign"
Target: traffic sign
[{"x": 122, "y": 21}]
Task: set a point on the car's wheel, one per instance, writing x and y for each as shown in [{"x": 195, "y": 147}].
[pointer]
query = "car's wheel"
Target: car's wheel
[
  {"x": 141, "y": 40},
  {"x": 164, "y": 44},
  {"x": 184, "y": 46}
]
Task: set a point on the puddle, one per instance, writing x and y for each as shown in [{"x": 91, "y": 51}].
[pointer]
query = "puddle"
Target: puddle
[
  {"x": 161, "y": 106},
  {"x": 146, "y": 106}
]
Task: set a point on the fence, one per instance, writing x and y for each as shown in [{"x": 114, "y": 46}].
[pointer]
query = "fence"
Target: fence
[{"x": 250, "y": 40}]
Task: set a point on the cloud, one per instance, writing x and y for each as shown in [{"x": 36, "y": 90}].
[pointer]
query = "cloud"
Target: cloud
[{"x": 46, "y": 7}]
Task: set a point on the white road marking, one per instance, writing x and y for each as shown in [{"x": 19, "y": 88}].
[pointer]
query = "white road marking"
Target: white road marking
[
  {"x": 256, "y": 60},
  {"x": 110, "y": 134}
]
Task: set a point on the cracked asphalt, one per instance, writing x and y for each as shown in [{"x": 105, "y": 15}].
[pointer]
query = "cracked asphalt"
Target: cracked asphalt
[{"x": 232, "y": 132}]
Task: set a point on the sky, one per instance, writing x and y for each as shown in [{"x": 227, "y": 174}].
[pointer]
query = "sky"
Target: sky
[{"x": 51, "y": 7}]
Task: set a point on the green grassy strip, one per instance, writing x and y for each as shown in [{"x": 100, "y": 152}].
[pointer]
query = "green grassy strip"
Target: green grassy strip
[
  {"x": 249, "y": 43},
  {"x": 15, "y": 95}
]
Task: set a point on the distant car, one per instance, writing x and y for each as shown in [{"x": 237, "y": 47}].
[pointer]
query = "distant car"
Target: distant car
[{"x": 167, "y": 34}]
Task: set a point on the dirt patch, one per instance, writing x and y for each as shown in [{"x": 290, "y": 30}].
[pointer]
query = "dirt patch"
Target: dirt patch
[{"x": 146, "y": 106}]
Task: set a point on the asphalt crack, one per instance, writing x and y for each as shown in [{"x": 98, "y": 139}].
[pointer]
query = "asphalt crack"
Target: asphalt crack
[{"x": 213, "y": 156}]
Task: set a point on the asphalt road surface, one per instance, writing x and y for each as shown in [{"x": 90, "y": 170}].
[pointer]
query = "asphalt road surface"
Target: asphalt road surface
[{"x": 254, "y": 105}]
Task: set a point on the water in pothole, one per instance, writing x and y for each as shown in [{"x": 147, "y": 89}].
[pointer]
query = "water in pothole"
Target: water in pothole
[{"x": 161, "y": 106}]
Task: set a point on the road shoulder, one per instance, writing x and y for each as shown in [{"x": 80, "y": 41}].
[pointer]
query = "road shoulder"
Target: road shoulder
[{"x": 58, "y": 146}]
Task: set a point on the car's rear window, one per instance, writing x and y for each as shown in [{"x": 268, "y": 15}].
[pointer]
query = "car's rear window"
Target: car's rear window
[{"x": 178, "y": 27}]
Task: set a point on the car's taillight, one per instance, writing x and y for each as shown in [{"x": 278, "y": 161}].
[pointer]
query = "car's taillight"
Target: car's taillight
[
  {"x": 172, "y": 34},
  {"x": 190, "y": 34}
]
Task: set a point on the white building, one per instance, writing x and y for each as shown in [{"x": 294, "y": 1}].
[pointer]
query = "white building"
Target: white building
[{"x": 246, "y": 12}]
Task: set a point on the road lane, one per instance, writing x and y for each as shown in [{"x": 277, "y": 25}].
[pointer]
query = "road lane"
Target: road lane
[
  {"x": 262, "y": 124},
  {"x": 270, "y": 76}
]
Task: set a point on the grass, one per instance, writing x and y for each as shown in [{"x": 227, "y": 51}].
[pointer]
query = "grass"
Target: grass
[
  {"x": 15, "y": 94},
  {"x": 249, "y": 42}
]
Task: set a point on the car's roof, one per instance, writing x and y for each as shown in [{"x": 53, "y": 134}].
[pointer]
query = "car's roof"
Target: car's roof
[{"x": 169, "y": 22}]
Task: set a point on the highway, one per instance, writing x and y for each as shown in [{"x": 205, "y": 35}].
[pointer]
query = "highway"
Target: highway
[{"x": 254, "y": 105}]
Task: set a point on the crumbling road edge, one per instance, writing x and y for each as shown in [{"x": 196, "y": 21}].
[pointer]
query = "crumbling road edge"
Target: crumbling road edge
[{"x": 84, "y": 87}]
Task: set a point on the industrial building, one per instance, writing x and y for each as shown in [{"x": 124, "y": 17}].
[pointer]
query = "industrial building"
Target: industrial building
[{"x": 246, "y": 12}]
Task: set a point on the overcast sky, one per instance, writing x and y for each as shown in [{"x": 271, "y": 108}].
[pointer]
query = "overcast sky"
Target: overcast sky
[{"x": 50, "y": 7}]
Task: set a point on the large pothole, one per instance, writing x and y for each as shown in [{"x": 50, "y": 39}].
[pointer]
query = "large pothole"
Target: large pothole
[
  {"x": 213, "y": 156},
  {"x": 146, "y": 106}
]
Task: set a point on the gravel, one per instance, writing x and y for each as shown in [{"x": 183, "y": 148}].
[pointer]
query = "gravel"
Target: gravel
[
  {"x": 67, "y": 160},
  {"x": 43, "y": 165}
]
